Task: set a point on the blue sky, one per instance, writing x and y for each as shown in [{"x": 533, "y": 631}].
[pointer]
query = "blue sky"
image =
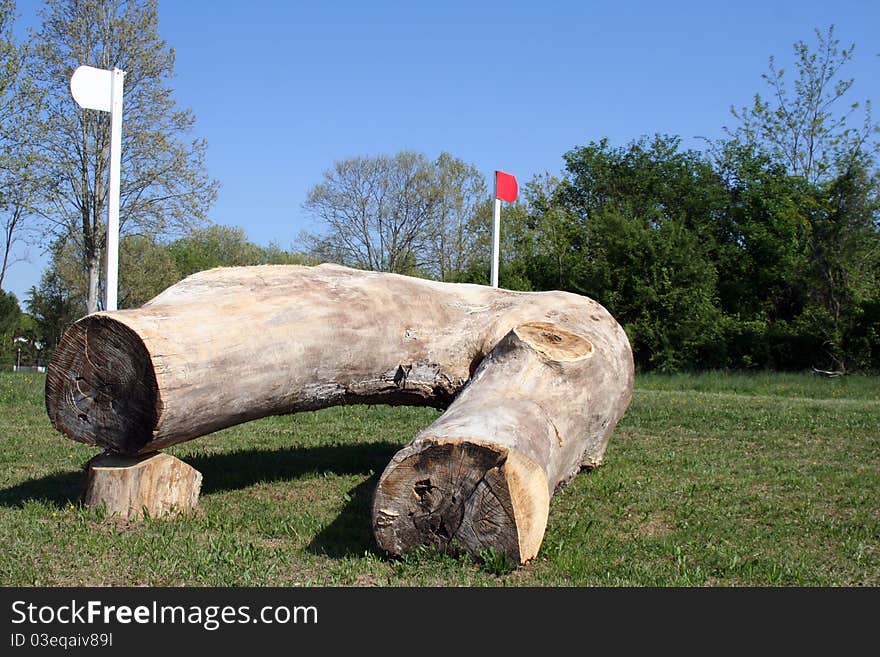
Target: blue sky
[{"x": 282, "y": 89}]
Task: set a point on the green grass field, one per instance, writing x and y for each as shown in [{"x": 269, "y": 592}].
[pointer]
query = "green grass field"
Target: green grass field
[{"x": 712, "y": 479}]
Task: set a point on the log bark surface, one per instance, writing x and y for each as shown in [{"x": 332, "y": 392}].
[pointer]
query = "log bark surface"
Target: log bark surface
[{"x": 231, "y": 345}]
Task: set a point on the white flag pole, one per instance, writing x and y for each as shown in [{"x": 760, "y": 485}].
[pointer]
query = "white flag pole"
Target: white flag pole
[
  {"x": 112, "y": 282},
  {"x": 99, "y": 89},
  {"x": 496, "y": 233}
]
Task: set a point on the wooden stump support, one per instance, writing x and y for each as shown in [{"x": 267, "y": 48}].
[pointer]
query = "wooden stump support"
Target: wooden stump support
[{"x": 130, "y": 487}]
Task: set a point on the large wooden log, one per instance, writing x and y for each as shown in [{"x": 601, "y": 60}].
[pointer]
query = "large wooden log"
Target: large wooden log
[
  {"x": 540, "y": 407},
  {"x": 550, "y": 374}
]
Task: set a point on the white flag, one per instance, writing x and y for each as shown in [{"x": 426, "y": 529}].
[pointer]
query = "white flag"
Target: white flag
[{"x": 91, "y": 88}]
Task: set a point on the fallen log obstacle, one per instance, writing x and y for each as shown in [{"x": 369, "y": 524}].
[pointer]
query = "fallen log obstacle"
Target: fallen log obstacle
[{"x": 533, "y": 384}]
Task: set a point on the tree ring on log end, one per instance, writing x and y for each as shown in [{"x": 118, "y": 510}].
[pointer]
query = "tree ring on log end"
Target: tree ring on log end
[
  {"x": 554, "y": 342},
  {"x": 100, "y": 386},
  {"x": 461, "y": 495}
]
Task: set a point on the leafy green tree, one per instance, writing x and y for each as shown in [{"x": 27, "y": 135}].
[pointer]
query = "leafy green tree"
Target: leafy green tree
[
  {"x": 58, "y": 300},
  {"x": 273, "y": 254},
  {"x": 214, "y": 246},
  {"x": 762, "y": 236},
  {"x": 146, "y": 268},
  {"x": 225, "y": 246},
  {"x": 165, "y": 186},
  {"x": 660, "y": 283},
  {"x": 515, "y": 248},
  {"x": 551, "y": 240},
  {"x": 844, "y": 267},
  {"x": 10, "y": 319},
  {"x": 640, "y": 220},
  {"x": 652, "y": 179},
  {"x": 533, "y": 241},
  {"x": 9, "y": 312},
  {"x": 805, "y": 122},
  {"x": 828, "y": 222}
]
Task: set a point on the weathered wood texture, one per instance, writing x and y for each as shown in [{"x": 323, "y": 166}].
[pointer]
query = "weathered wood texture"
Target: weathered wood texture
[
  {"x": 127, "y": 486},
  {"x": 540, "y": 407},
  {"x": 550, "y": 374}
]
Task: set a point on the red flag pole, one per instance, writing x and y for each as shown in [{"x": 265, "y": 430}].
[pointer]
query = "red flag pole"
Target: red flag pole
[{"x": 496, "y": 233}]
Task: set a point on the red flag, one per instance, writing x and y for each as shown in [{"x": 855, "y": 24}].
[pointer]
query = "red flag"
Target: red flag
[{"x": 505, "y": 187}]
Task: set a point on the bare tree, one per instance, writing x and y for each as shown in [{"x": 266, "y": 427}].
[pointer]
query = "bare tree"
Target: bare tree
[
  {"x": 401, "y": 213},
  {"x": 164, "y": 186},
  {"x": 460, "y": 190},
  {"x": 377, "y": 211},
  {"x": 18, "y": 101}
]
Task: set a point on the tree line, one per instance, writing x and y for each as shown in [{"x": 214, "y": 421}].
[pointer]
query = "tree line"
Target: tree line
[
  {"x": 725, "y": 260},
  {"x": 760, "y": 251}
]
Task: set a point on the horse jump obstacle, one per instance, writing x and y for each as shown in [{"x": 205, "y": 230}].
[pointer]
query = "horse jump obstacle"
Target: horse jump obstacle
[{"x": 533, "y": 384}]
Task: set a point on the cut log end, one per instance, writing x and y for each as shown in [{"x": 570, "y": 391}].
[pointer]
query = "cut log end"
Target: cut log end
[
  {"x": 101, "y": 388},
  {"x": 553, "y": 342},
  {"x": 462, "y": 495},
  {"x": 127, "y": 487}
]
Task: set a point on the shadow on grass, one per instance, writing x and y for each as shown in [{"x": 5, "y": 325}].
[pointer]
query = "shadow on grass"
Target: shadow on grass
[
  {"x": 350, "y": 533},
  {"x": 237, "y": 470},
  {"x": 56, "y": 489}
]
